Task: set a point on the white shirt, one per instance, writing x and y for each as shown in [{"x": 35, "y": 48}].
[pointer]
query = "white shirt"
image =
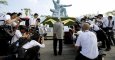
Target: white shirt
[
  {"x": 95, "y": 27},
  {"x": 5, "y": 18},
  {"x": 88, "y": 41},
  {"x": 32, "y": 43},
  {"x": 79, "y": 32},
  {"x": 111, "y": 25},
  {"x": 42, "y": 30},
  {"x": 16, "y": 36},
  {"x": 58, "y": 29},
  {"x": 33, "y": 21},
  {"x": 105, "y": 23},
  {"x": 100, "y": 21},
  {"x": 90, "y": 21}
]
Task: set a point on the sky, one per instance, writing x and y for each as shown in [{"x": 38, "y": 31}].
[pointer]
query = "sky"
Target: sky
[{"x": 78, "y": 8}]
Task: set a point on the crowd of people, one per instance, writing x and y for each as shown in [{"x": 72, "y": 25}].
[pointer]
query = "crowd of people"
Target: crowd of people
[
  {"x": 92, "y": 31},
  {"x": 24, "y": 41}
]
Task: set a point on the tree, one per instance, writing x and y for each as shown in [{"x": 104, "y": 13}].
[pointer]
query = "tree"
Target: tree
[
  {"x": 111, "y": 13},
  {"x": 4, "y": 2}
]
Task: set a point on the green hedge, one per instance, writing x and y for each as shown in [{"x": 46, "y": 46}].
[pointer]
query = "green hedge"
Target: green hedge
[{"x": 51, "y": 20}]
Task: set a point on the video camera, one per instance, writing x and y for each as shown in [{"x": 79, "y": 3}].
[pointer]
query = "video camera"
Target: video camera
[{"x": 24, "y": 19}]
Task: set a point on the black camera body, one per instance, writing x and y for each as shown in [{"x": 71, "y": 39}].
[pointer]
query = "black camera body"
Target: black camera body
[{"x": 24, "y": 19}]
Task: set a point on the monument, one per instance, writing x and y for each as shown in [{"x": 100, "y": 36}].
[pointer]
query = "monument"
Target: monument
[
  {"x": 60, "y": 10},
  {"x": 59, "y": 13},
  {"x": 26, "y": 12}
]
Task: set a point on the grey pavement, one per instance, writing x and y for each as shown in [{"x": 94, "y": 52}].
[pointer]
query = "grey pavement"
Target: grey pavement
[
  {"x": 111, "y": 54},
  {"x": 68, "y": 52}
]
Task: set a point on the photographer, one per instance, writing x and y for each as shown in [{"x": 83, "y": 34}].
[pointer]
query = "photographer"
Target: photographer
[
  {"x": 32, "y": 43},
  {"x": 12, "y": 21},
  {"x": 7, "y": 31},
  {"x": 18, "y": 33},
  {"x": 31, "y": 48}
]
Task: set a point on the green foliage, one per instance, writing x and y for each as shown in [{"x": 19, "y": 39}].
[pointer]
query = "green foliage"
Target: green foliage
[
  {"x": 67, "y": 21},
  {"x": 4, "y": 2}
]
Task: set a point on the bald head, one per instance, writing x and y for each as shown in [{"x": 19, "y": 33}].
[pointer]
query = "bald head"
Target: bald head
[{"x": 85, "y": 26}]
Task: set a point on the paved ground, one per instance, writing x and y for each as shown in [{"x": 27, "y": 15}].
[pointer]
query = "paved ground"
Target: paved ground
[
  {"x": 68, "y": 52},
  {"x": 111, "y": 54}
]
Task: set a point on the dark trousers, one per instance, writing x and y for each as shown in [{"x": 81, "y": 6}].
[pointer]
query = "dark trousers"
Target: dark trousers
[
  {"x": 55, "y": 46},
  {"x": 105, "y": 40},
  {"x": 30, "y": 54},
  {"x": 110, "y": 34},
  {"x": 101, "y": 37},
  {"x": 81, "y": 57}
]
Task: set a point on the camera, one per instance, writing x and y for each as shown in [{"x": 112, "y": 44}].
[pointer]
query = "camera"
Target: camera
[{"x": 22, "y": 19}]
